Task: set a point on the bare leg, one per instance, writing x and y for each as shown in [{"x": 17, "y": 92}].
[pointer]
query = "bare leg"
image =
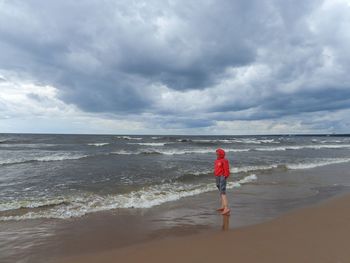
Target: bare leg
[
  {"x": 222, "y": 207},
  {"x": 224, "y": 203}
]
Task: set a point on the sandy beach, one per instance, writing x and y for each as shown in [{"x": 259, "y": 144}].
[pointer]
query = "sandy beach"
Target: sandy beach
[{"x": 319, "y": 233}]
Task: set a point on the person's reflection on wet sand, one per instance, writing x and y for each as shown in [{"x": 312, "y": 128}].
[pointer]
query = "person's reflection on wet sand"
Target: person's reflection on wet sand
[{"x": 225, "y": 222}]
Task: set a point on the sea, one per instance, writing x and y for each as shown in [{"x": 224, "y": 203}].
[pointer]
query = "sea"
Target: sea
[{"x": 64, "y": 177}]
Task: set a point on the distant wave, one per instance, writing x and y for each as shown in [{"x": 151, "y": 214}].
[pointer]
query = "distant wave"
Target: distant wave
[
  {"x": 129, "y": 138},
  {"x": 26, "y": 145},
  {"x": 319, "y": 163},
  {"x": 326, "y": 141},
  {"x": 289, "y": 166},
  {"x": 212, "y": 150},
  {"x": 255, "y": 141},
  {"x": 156, "y": 144},
  {"x": 268, "y": 167},
  {"x": 234, "y": 170},
  {"x": 174, "y": 151},
  {"x": 98, "y": 144},
  {"x": 315, "y": 147},
  {"x": 47, "y": 158},
  {"x": 231, "y": 141},
  {"x": 206, "y": 150},
  {"x": 76, "y": 206}
]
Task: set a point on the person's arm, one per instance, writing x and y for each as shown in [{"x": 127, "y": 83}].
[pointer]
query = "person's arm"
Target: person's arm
[{"x": 226, "y": 168}]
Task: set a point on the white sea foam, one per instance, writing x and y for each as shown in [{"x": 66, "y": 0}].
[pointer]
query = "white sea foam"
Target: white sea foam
[
  {"x": 237, "y": 170},
  {"x": 156, "y": 144},
  {"x": 291, "y": 166},
  {"x": 212, "y": 150},
  {"x": 41, "y": 158},
  {"x": 254, "y": 141},
  {"x": 99, "y": 144},
  {"x": 175, "y": 151},
  {"x": 327, "y": 141},
  {"x": 315, "y": 147},
  {"x": 246, "y": 169},
  {"x": 248, "y": 179},
  {"x": 243, "y": 141},
  {"x": 87, "y": 203},
  {"x": 128, "y": 138},
  {"x": 6, "y": 206},
  {"x": 26, "y": 145},
  {"x": 319, "y": 163},
  {"x": 60, "y": 157}
]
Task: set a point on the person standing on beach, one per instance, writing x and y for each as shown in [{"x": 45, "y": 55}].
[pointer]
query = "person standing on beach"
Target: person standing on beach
[{"x": 222, "y": 172}]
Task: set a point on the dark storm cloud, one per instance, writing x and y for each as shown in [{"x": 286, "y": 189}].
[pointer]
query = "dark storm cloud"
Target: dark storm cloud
[
  {"x": 107, "y": 56},
  {"x": 80, "y": 47}
]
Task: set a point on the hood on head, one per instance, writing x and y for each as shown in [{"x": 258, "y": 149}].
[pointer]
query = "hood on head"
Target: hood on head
[{"x": 221, "y": 153}]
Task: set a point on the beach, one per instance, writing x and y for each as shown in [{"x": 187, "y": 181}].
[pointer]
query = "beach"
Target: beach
[{"x": 319, "y": 233}]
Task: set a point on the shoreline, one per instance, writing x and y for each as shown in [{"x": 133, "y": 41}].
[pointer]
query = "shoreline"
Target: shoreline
[
  {"x": 113, "y": 231},
  {"x": 319, "y": 233}
]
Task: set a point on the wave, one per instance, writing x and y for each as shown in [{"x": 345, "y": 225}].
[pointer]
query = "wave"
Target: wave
[
  {"x": 26, "y": 145},
  {"x": 254, "y": 168},
  {"x": 82, "y": 204},
  {"x": 175, "y": 151},
  {"x": 212, "y": 150},
  {"x": 31, "y": 204},
  {"x": 254, "y": 141},
  {"x": 77, "y": 206},
  {"x": 98, "y": 144},
  {"x": 268, "y": 167},
  {"x": 289, "y": 166},
  {"x": 320, "y": 163},
  {"x": 231, "y": 141},
  {"x": 325, "y": 141},
  {"x": 156, "y": 144},
  {"x": 237, "y": 170},
  {"x": 315, "y": 147},
  {"x": 129, "y": 138},
  {"x": 46, "y": 158}
]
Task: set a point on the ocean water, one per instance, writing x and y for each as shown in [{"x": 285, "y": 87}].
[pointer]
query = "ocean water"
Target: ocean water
[{"x": 69, "y": 176}]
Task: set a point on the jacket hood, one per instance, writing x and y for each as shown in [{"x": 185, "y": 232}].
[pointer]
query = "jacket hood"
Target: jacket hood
[{"x": 221, "y": 153}]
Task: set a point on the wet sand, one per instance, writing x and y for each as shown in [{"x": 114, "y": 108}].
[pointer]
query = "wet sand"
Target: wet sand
[{"x": 316, "y": 234}]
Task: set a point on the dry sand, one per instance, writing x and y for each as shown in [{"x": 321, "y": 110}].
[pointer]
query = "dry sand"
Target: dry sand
[{"x": 316, "y": 234}]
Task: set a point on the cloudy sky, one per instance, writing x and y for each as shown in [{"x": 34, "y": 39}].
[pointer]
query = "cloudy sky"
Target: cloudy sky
[{"x": 175, "y": 67}]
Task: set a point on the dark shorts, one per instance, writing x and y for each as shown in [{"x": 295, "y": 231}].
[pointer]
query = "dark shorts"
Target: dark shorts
[{"x": 221, "y": 184}]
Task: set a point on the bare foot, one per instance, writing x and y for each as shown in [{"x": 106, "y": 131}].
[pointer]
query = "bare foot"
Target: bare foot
[
  {"x": 220, "y": 209},
  {"x": 226, "y": 211}
]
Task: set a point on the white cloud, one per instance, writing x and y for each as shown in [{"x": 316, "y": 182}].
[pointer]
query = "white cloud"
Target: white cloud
[{"x": 27, "y": 107}]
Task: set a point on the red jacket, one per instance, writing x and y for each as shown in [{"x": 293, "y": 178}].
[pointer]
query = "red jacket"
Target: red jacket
[{"x": 221, "y": 166}]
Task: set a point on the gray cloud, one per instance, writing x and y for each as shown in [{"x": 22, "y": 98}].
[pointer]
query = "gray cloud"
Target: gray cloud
[{"x": 110, "y": 56}]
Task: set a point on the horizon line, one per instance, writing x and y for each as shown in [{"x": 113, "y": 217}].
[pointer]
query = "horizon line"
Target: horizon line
[{"x": 140, "y": 134}]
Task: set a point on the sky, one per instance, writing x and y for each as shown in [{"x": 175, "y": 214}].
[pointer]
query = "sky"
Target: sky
[{"x": 175, "y": 67}]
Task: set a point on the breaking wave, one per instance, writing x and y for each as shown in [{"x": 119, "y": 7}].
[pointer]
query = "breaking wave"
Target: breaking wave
[
  {"x": 77, "y": 206},
  {"x": 42, "y": 158},
  {"x": 98, "y": 144}
]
